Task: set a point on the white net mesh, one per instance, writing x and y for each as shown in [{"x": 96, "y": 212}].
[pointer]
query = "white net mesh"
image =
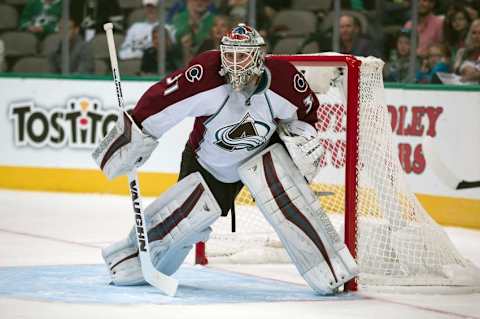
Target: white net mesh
[{"x": 397, "y": 242}]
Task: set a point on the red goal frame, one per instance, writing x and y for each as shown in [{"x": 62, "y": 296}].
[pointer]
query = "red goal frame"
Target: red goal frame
[{"x": 352, "y": 137}]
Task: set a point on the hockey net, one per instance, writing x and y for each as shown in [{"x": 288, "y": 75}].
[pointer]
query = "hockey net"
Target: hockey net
[{"x": 361, "y": 185}]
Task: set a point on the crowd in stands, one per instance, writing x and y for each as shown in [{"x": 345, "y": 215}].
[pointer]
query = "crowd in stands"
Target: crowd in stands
[
  {"x": 448, "y": 33},
  {"x": 80, "y": 56}
]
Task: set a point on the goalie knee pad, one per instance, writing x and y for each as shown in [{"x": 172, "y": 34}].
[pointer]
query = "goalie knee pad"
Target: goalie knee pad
[
  {"x": 175, "y": 221},
  {"x": 285, "y": 199}
]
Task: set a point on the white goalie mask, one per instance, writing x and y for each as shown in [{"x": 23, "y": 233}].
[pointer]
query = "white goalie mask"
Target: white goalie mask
[{"x": 242, "y": 54}]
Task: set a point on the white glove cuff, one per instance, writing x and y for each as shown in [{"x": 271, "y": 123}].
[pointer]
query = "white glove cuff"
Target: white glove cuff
[{"x": 123, "y": 149}]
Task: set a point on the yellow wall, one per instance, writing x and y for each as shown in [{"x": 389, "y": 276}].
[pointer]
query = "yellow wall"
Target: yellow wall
[
  {"x": 445, "y": 210},
  {"x": 79, "y": 181}
]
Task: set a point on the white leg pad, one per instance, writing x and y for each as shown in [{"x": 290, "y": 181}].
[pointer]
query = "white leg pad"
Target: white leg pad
[
  {"x": 287, "y": 202},
  {"x": 123, "y": 263},
  {"x": 175, "y": 221}
]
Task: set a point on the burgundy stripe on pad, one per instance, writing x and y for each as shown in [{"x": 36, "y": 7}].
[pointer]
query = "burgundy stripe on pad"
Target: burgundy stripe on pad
[
  {"x": 135, "y": 254},
  {"x": 289, "y": 210},
  {"x": 162, "y": 229}
]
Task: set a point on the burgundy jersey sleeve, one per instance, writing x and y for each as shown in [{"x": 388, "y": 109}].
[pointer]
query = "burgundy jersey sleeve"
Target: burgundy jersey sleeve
[
  {"x": 175, "y": 94},
  {"x": 289, "y": 83}
]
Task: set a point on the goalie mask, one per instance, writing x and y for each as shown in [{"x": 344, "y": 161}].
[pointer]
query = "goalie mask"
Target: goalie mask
[{"x": 242, "y": 54}]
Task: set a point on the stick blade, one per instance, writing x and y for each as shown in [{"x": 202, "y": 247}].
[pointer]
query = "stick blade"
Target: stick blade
[
  {"x": 164, "y": 283},
  {"x": 438, "y": 167},
  {"x": 157, "y": 279},
  {"x": 467, "y": 184}
]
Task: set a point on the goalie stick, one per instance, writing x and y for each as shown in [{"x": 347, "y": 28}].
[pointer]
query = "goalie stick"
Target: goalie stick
[
  {"x": 154, "y": 277},
  {"x": 442, "y": 171}
]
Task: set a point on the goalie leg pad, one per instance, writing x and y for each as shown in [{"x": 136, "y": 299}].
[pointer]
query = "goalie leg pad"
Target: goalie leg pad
[
  {"x": 175, "y": 221},
  {"x": 285, "y": 199},
  {"x": 123, "y": 263}
]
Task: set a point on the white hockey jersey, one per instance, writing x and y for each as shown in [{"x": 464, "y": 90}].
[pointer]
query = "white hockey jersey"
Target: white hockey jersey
[
  {"x": 229, "y": 127},
  {"x": 138, "y": 39}
]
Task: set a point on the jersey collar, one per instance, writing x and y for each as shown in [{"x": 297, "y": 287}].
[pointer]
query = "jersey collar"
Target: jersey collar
[{"x": 264, "y": 82}]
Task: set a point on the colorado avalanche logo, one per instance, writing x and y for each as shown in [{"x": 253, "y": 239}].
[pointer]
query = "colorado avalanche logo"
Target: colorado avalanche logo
[
  {"x": 194, "y": 73},
  {"x": 299, "y": 83},
  {"x": 241, "y": 33},
  {"x": 248, "y": 134}
]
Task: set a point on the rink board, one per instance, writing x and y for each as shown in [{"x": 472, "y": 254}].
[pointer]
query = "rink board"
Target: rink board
[
  {"x": 198, "y": 285},
  {"x": 451, "y": 211},
  {"x": 47, "y": 140}
]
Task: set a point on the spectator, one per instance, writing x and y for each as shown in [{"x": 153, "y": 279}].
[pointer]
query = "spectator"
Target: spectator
[
  {"x": 397, "y": 11},
  {"x": 181, "y": 5},
  {"x": 467, "y": 62},
  {"x": 472, "y": 7},
  {"x": 191, "y": 28},
  {"x": 139, "y": 34},
  {"x": 352, "y": 40},
  {"x": 429, "y": 27},
  {"x": 397, "y": 68},
  {"x": 437, "y": 61},
  {"x": 81, "y": 54},
  {"x": 357, "y": 5},
  {"x": 2, "y": 56},
  {"x": 41, "y": 17},
  {"x": 221, "y": 25},
  {"x": 237, "y": 10},
  {"x": 95, "y": 13},
  {"x": 455, "y": 28},
  {"x": 149, "y": 65},
  {"x": 265, "y": 13}
]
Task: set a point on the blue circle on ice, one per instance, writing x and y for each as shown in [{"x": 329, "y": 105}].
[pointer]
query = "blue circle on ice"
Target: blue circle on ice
[{"x": 198, "y": 285}]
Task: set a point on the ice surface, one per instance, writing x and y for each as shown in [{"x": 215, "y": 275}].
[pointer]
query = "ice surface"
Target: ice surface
[
  {"x": 199, "y": 285},
  {"x": 51, "y": 267}
]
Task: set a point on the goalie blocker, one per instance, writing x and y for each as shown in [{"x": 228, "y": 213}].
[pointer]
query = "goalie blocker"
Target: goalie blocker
[
  {"x": 289, "y": 205},
  {"x": 124, "y": 148}
]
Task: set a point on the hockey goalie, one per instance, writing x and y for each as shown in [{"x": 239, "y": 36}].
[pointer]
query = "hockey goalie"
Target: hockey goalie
[{"x": 254, "y": 126}]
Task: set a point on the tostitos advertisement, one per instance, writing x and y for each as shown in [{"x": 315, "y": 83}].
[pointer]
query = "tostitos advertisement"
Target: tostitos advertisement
[{"x": 50, "y": 127}]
